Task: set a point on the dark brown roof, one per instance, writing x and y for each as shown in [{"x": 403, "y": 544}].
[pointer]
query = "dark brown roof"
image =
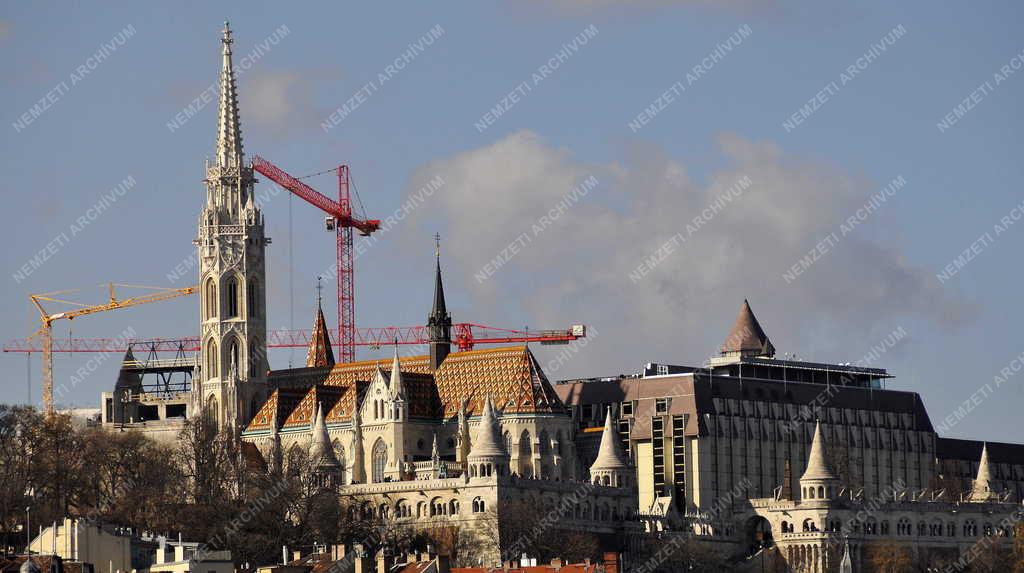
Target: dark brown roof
[
  {"x": 970, "y": 450},
  {"x": 694, "y": 394},
  {"x": 746, "y": 334}
]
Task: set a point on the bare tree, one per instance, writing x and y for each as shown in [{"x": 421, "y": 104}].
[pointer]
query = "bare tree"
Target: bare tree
[{"x": 888, "y": 557}]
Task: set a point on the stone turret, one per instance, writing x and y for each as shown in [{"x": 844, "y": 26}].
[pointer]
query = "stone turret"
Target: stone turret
[
  {"x": 983, "y": 488},
  {"x": 818, "y": 481},
  {"x": 611, "y": 466},
  {"x": 322, "y": 457},
  {"x": 488, "y": 456}
]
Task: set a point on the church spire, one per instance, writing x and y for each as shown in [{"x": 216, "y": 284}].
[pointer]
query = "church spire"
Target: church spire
[
  {"x": 319, "y": 353},
  {"x": 439, "y": 323},
  {"x": 229, "y": 127}
]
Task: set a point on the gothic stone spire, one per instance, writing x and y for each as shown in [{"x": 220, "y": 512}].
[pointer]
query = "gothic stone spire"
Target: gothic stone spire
[{"x": 229, "y": 127}]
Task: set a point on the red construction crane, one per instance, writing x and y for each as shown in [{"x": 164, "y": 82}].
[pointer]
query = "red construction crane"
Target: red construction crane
[
  {"x": 466, "y": 336},
  {"x": 339, "y": 219}
]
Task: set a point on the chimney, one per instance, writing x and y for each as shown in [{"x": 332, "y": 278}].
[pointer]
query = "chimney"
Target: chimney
[
  {"x": 443, "y": 564},
  {"x": 611, "y": 562},
  {"x": 337, "y": 552},
  {"x": 296, "y": 555},
  {"x": 556, "y": 563},
  {"x": 384, "y": 562},
  {"x": 363, "y": 563},
  {"x": 284, "y": 555}
]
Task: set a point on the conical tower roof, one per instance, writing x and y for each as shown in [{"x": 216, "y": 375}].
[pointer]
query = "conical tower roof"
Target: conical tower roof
[
  {"x": 322, "y": 452},
  {"x": 395, "y": 377},
  {"x": 609, "y": 454},
  {"x": 982, "y": 489},
  {"x": 319, "y": 352},
  {"x": 488, "y": 443},
  {"x": 746, "y": 336},
  {"x": 229, "y": 126},
  {"x": 818, "y": 467}
]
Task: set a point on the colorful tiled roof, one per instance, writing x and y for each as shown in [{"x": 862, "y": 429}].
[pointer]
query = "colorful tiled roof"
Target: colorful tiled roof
[
  {"x": 511, "y": 376},
  {"x": 305, "y": 411},
  {"x": 319, "y": 352}
]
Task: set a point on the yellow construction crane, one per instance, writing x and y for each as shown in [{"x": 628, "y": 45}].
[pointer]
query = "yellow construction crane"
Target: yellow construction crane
[{"x": 45, "y": 330}]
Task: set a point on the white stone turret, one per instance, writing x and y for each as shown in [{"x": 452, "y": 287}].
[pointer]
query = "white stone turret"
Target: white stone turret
[
  {"x": 322, "y": 457},
  {"x": 983, "y": 488},
  {"x": 818, "y": 481},
  {"x": 611, "y": 466},
  {"x": 488, "y": 456}
]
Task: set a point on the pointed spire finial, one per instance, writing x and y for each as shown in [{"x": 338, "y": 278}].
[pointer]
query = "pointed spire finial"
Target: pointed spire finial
[
  {"x": 229, "y": 130},
  {"x": 319, "y": 291},
  {"x": 437, "y": 247}
]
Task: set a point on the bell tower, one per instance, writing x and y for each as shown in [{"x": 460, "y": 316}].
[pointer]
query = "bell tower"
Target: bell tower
[{"x": 231, "y": 379}]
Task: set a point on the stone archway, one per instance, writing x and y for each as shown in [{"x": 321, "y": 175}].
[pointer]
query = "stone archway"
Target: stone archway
[{"x": 758, "y": 534}]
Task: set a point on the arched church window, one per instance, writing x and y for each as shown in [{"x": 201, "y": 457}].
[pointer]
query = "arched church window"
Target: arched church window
[
  {"x": 380, "y": 460},
  {"x": 210, "y": 299},
  {"x": 233, "y": 355},
  {"x": 211, "y": 360},
  {"x": 231, "y": 297},
  {"x": 212, "y": 412},
  {"x": 525, "y": 454}
]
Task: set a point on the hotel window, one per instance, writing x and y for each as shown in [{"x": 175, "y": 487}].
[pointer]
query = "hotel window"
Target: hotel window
[
  {"x": 626, "y": 408},
  {"x": 661, "y": 405},
  {"x": 662, "y": 369}
]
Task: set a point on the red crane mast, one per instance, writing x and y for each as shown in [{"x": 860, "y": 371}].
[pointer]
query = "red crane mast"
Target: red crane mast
[{"x": 340, "y": 220}]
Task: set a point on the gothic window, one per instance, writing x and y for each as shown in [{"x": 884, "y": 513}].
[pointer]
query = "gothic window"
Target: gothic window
[
  {"x": 212, "y": 412},
  {"x": 231, "y": 297},
  {"x": 453, "y": 507},
  {"x": 525, "y": 455},
  {"x": 508, "y": 442},
  {"x": 970, "y": 528},
  {"x": 233, "y": 356},
  {"x": 211, "y": 359},
  {"x": 210, "y": 299},
  {"x": 252, "y": 303},
  {"x": 380, "y": 459},
  {"x": 478, "y": 505},
  {"x": 402, "y": 509}
]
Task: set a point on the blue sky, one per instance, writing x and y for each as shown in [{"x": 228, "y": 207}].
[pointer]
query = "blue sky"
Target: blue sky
[{"x": 112, "y": 123}]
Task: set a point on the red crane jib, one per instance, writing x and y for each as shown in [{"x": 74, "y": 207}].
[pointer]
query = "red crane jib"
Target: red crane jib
[
  {"x": 466, "y": 336},
  {"x": 313, "y": 197}
]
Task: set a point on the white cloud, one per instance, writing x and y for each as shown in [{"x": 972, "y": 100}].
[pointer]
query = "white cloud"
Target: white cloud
[
  {"x": 578, "y": 269},
  {"x": 279, "y": 101}
]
